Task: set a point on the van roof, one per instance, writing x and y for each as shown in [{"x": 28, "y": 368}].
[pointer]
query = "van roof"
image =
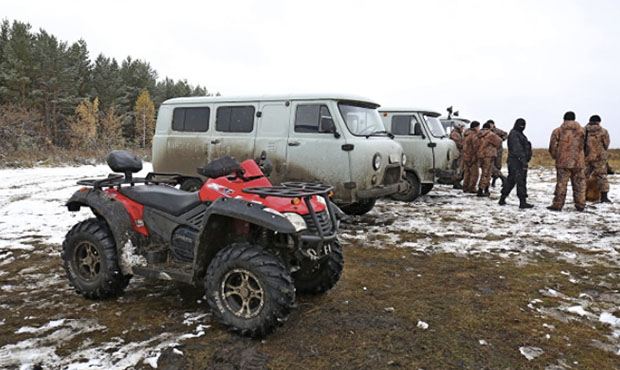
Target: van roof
[
  {"x": 240, "y": 99},
  {"x": 455, "y": 119},
  {"x": 428, "y": 112}
]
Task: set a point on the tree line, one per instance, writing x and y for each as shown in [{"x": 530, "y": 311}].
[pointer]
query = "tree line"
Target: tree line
[{"x": 53, "y": 95}]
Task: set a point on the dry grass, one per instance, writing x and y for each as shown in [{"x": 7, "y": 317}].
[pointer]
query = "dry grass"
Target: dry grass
[
  {"x": 57, "y": 156},
  {"x": 542, "y": 158}
]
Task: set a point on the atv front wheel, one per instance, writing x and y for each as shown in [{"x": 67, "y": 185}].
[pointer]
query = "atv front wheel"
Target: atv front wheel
[
  {"x": 90, "y": 260},
  {"x": 249, "y": 290},
  {"x": 321, "y": 276}
]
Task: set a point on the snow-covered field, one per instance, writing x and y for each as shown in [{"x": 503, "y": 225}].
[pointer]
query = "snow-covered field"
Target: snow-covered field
[{"x": 43, "y": 322}]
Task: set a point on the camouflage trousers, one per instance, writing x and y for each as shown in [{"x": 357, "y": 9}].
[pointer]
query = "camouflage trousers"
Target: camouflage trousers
[
  {"x": 577, "y": 179},
  {"x": 470, "y": 176},
  {"x": 487, "y": 165},
  {"x": 497, "y": 163},
  {"x": 598, "y": 170}
]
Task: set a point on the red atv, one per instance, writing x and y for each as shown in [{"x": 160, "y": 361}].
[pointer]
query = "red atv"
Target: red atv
[{"x": 248, "y": 244}]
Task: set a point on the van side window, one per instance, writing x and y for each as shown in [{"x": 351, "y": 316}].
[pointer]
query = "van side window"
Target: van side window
[
  {"x": 195, "y": 119},
  {"x": 235, "y": 119},
  {"x": 314, "y": 118},
  {"x": 401, "y": 125}
]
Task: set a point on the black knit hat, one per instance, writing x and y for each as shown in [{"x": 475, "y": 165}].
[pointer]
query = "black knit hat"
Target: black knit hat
[
  {"x": 595, "y": 119},
  {"x": 569, "y": 116}
]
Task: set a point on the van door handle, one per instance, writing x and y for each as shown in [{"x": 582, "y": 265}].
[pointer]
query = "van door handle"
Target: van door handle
[
  {"x": 294, "y": 143},
  {"x": 216, "y": 141}
]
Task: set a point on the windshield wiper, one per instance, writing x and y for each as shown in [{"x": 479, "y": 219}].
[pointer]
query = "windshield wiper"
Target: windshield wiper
[{"x": 389, "y": 134}]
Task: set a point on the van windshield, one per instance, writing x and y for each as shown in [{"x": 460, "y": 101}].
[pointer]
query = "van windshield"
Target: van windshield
[
  {"x": 435, "y": 126},
  {"x": 362, "y": 120}
]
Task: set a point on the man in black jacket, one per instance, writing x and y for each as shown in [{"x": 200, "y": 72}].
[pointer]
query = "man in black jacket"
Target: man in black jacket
[{"x": 519, "y": 155}]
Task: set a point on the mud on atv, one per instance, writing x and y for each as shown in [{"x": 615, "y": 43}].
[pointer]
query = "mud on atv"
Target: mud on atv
[{"x": 248, "y": 244}]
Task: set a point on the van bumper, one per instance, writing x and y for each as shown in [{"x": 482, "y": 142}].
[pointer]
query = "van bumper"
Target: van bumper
[{"x": 382, "y": 190}]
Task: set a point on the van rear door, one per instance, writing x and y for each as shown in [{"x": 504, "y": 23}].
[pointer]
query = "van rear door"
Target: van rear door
[
  {"x": 314, "y": 153},
  {"x": 271, "y": 134},
  {"x": 235, "y": 130}
]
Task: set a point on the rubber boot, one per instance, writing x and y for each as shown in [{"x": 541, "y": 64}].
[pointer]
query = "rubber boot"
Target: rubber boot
[
  {"x": 480, "y": 192},
  {"x": 457, "y": 185},
  {"x": 487, "y": 193},
  {"x": 502, "y": 200},
  {"x": 605, "y": 198},
  {"x": 523, "y": 204},
  {"x": 493, "y": 182},
  {"x": 552, "y": 208}
]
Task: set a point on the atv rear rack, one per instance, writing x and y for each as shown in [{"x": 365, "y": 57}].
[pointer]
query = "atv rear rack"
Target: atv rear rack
[
  {"x": 305, "y": 191},
  {"x": 118, "y": 180}
]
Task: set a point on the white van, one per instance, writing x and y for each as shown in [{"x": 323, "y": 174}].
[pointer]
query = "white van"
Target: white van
[
  {"x": 428, "y": 148},
  {"x": 335, "y": 139}
]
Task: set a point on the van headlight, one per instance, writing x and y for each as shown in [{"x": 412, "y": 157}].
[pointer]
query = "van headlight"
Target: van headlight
[
  {"x": 376, "y": 162},
  {"x": 298, "y": 222},
  {"x": 403, "y": 160}
]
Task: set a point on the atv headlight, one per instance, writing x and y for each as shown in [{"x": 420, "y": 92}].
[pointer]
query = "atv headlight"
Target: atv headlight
[
  {"x": 376, "y": 162},
  {"x": 298, "y": 222},
  {"x": 403, "y": 160}
]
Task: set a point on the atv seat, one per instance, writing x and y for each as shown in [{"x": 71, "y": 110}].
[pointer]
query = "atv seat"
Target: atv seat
[{"x": 164, "y": 198}]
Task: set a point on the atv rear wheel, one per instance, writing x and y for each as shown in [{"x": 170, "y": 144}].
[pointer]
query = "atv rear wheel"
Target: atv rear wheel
[
  {"x": 359, "y": 208},
  {"x": 90, "y": 260},
  {"x": 249, "y": 290},
  {"x": 321, "y": 276},
  {"x": 412, "y": 192}
]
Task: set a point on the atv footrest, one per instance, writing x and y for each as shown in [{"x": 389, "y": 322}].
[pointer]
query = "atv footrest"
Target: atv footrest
[{"x": 153, "y": 272}]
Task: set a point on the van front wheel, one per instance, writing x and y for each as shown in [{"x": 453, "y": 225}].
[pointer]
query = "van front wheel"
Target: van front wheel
[
  {"x": 426, "y": 188},
  {"x": 412, "y": 192},
  {"x": 359, "y": 208}
]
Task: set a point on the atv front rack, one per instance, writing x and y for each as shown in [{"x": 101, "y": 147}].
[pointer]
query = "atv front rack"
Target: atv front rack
[
  {"x": 305, "y": 191},
  {"x": 117, "y": 180},
  {"x": 291, "y": 190}
]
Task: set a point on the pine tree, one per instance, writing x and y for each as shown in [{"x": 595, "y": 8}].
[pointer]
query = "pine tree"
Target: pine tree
[
  {"x": 144, "y": 118},
  {"x": 17, "y": 68},
  {"x": 107, "y": 83},
  {"x": 110, "y": 131},
  {"x": 84, "y": 124}
]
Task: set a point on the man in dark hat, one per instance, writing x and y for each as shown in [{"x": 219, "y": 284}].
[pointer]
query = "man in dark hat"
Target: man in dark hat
[
  {"x": 519, "y": 155},
  {"x": 567, "y": 149},
  {"x": 597, "y": 145}
]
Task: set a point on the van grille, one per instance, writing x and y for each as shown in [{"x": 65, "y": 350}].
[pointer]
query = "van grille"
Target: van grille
[
  {"x": 324, "y": 223},
  {"x": 391, "y": 176}
]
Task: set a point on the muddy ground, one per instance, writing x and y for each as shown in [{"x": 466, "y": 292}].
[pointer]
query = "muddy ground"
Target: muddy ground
[{"x": 451, "y": 281}]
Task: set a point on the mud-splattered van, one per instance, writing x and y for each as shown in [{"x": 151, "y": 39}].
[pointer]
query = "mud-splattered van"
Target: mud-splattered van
[
  {"x": 335, "y": 139},
  {"x": 428, "y": 149}
]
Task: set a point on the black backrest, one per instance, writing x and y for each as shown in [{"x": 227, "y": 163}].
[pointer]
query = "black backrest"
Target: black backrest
[
  {"x": 220, "y": 167},
  {"x": 124, "y": 162}
]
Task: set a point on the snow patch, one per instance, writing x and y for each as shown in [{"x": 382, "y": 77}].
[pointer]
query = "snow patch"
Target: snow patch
[{"x": 531, "y": 352}]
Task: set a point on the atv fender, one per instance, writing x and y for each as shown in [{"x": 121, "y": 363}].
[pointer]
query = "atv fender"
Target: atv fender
[
  {"x": 108, "y": 209},
  {"x": 215, "y": 230}
]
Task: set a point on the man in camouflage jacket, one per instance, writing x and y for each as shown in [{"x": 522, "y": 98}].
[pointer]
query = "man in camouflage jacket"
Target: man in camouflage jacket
[
  {"x": 457, "y": 136},
  {"x": 597, "y": 144},
  {"x": 567, "y": 149},
  {"x": 488, "y": 144},
  {"x": 470, "y": 157},
  {"x": 497, "y": 165}
]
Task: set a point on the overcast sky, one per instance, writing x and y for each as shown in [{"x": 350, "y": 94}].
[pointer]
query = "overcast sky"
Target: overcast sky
[{"x": 489, "y": 58}]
